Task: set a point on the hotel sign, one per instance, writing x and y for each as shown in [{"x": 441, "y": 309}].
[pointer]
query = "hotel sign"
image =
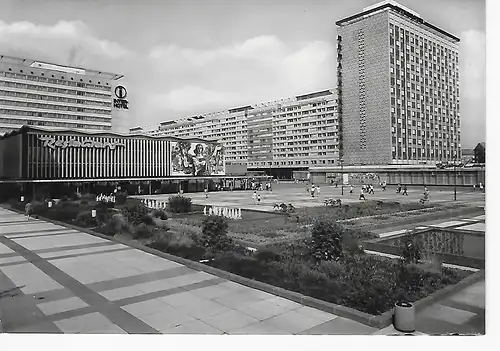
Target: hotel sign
[
  {"x": 121, "y": 94},
  {"x": 53, "y": 143}
]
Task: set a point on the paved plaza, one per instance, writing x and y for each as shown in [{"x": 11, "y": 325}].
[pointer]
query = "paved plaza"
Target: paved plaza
[
  {"x": 59, "y": 280},
  {"x": 296, "y": 194}
]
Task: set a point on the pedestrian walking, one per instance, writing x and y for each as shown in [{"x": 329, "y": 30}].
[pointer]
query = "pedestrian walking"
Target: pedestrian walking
[
  {"x": 362, "y": 195},
  {"x": 370, "y": 189},
  {"x": 405, "y": 190},
  {"x": 206, "y": 192},
  {"x": 254, "y": 197},
  {"x": 28, "y": 209},
  {"x": 398, "y": 190},
  {"x": 351, "y": 188},
  {"x": 313, "y": 190},
  {"x": 384, "y": 185}
]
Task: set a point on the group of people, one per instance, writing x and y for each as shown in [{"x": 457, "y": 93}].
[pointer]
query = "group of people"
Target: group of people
[
  {"x": 403, "y": 190},
  {"x": 314, "y": 190},
  {"x": 364, "y": 189},
  {"x": 259, "y": 186},
  {"x": 256, "y": 198}
]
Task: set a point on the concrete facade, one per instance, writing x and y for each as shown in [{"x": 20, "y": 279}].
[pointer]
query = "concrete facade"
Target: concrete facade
[
  {"x": 365, "y": 80},
  {"x": 44, "y": 94},
  {"x": 399, "y": 88}
]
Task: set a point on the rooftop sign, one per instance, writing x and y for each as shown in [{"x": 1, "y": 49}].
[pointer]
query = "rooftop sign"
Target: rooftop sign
[{"x": 58, "y": 68}]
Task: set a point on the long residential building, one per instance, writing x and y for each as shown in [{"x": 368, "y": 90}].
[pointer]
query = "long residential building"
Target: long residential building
[
  {"x": 37, "y": 93},
  {"x": 277, "y": 137},
  {"x": 399, "y": 89}
]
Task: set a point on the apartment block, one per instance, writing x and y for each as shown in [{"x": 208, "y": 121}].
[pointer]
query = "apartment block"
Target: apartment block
[
  {"x": 277, "y": 137},
  {"x": 399, "y": 90}
]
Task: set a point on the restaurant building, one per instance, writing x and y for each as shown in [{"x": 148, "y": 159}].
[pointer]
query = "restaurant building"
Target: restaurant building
[{"x": 35, "y": 157}]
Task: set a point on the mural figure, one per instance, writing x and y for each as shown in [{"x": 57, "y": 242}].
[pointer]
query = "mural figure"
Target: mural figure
[{"x": 197, "y": 159}]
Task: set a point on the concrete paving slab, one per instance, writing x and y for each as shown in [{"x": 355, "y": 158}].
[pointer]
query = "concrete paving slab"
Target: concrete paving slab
[
  {"x": 316, "y": 314},
  {"x": 33, "y": 279},
  {"x": 122, "y": 293},
  {"x": 5, "y": 250},
  {"x": 477, "y": 227},
  {"x": 448, "y": 224},
  {"x": 85, "y": 323},
  {"x": 447, "y": 314},
  {"x": 11, "y": 259},
  {"x": 229, "y": 321},
  {"x": 59, "y": 306},
  {"x": 293, "y": 322},
  {"x": 193, "y": 327},
  {"x": 260, "y": 328},
  {"x": 148, "y": 307},
  {"x": 108, "y": 329},
  {"x": 264, "y": 309},
  {"x": 166, "y": 319},
  {"x": 477, "y": 300},
  {"x": 340, "y": 326}
]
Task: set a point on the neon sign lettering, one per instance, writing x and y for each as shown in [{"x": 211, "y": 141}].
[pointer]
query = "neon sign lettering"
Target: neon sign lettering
[{"x": 52, "y": 143}]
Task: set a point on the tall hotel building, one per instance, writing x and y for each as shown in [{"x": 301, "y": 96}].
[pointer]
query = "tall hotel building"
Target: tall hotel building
[
  {"x": 43, "y": 94},
  {"x": 277, "y": 137},
  {"x": 399, "y": 94}
]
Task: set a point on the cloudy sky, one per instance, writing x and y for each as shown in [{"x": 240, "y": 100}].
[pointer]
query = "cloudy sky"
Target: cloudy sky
[{"x": 182, "y": 57}]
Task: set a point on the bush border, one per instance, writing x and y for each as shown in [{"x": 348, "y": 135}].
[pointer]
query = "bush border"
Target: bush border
[{"x": 377, "y": 321}]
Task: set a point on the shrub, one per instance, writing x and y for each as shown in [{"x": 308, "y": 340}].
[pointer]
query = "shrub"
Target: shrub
[
  {"x": 84, "y": 219},
  {"x": 134, "y": 210},
  {"x": 161, "y": 214},
  {"x": 411, "y": 250},
  {"x": 194, "y": 252},
  {"x": 143, "y": 231},
  {"x": 214, "y": 234},
  {"x": 104, "y": 205},
  {"x": 121, "y": 197},
  {"x": 161, "y": 224},
  {"x": 267, "y": 255},
  {"x": 147, "y": 219},
  {"x": 325, "y": 243},
  {"x": 180, "y": 204},
  {"x": 39, "y": 208},
  {"x": 115, "y": 225},
  {"x": 18, "y": 205},
  {"x": 88, "y": 197},
  {"x": 65, "y": 211},
  {"x": 242, "y": 265}
]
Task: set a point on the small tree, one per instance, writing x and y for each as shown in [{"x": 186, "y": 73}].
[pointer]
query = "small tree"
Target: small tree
[
  {"x": 214, "y": 234},
  {"x": 134, "y": 211},
  {"x": 411, "y": 250},
  {"x": 325, "y": 243}
]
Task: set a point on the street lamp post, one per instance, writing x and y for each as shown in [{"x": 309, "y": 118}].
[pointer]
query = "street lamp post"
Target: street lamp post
[
  {"x": 342, "y": 174},
  {"x": 455, "y": 176}
]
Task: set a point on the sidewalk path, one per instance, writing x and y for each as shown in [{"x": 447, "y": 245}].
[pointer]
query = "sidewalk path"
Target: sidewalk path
[
  {"x": 59, "y": 280},
  {"x": 462, "y": 313}
]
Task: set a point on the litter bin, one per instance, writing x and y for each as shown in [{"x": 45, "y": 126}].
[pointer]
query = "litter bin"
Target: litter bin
[{"x": 404, "y": 317}]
